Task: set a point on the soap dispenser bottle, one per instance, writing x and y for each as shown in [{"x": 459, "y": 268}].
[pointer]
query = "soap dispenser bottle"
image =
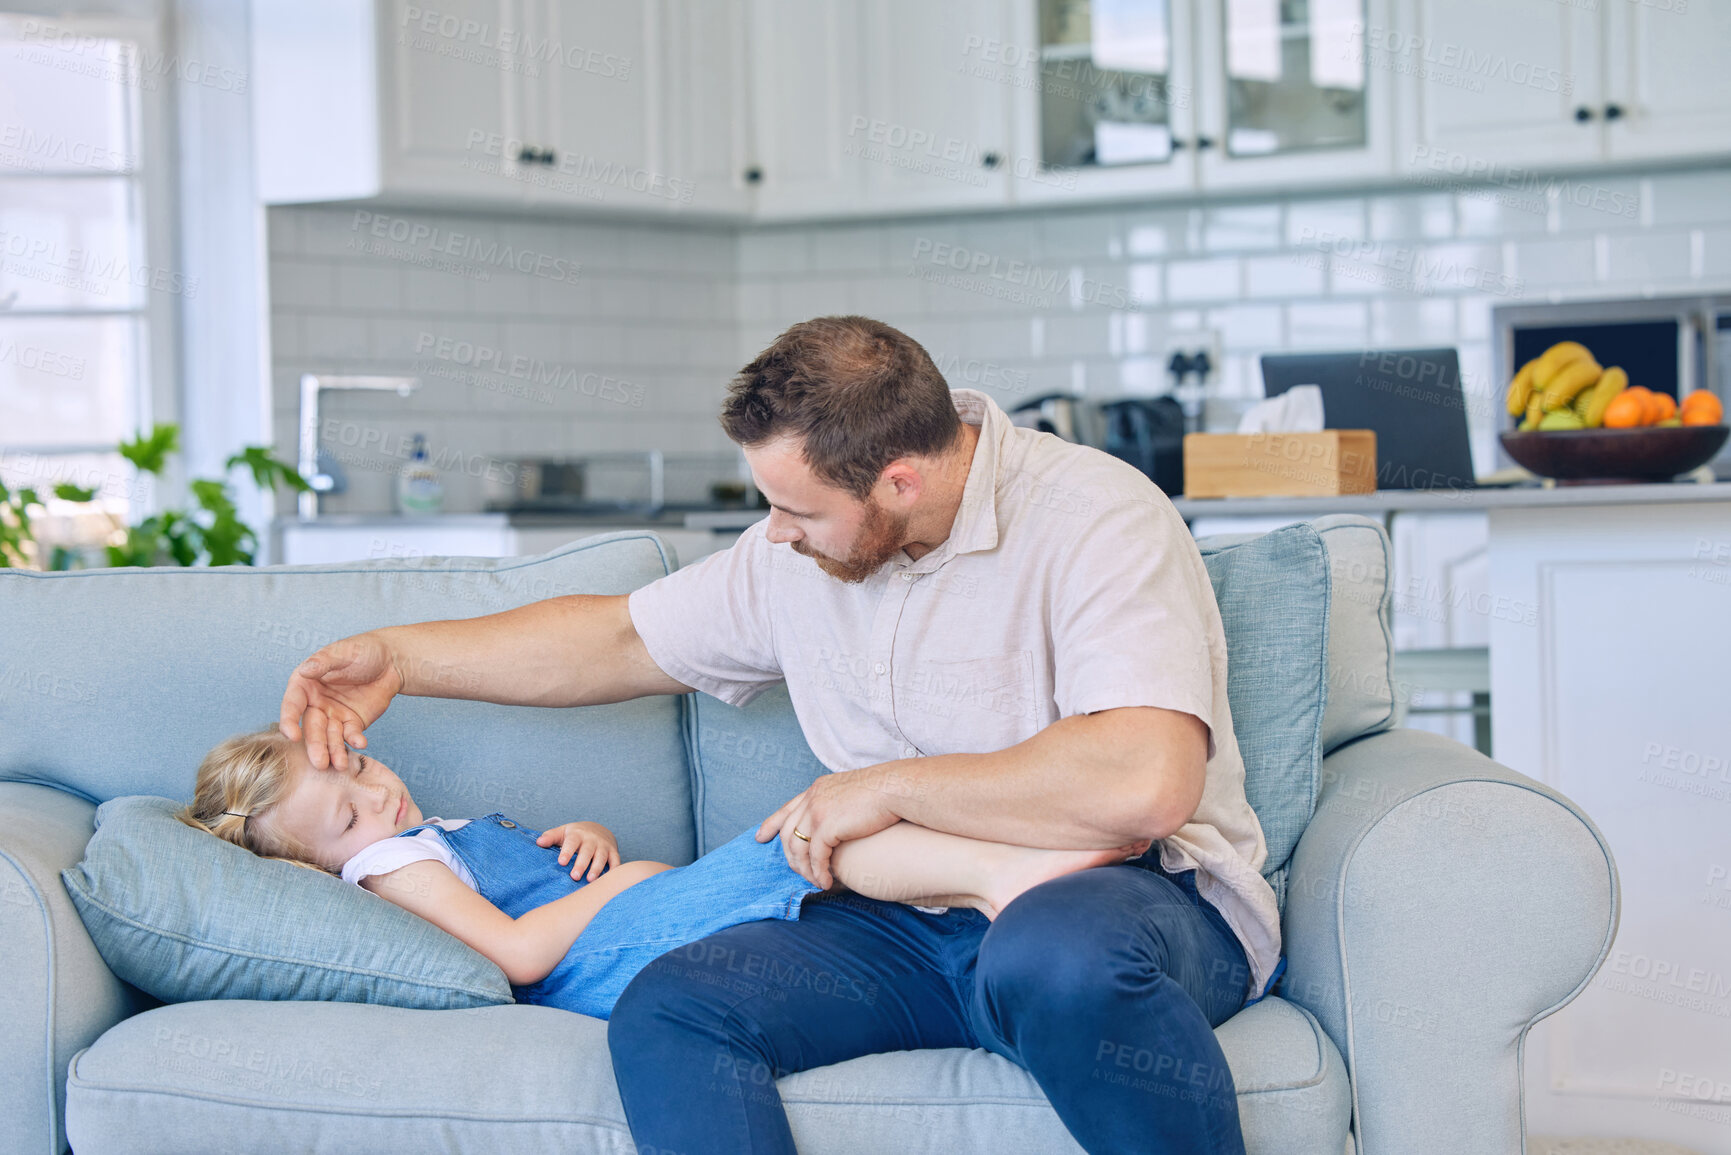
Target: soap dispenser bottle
[{"x": 419, "y": 490}]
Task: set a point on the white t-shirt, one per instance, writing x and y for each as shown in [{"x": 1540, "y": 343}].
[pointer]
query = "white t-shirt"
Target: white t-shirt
[{"x": 390, "y": 854}]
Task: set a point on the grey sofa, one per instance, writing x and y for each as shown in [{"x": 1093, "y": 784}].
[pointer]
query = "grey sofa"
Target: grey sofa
[{"x": 1436, "y": 905}]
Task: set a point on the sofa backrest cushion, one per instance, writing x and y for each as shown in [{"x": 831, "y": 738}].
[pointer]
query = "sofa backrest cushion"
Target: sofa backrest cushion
[
  {"x": 183, "y": 915},
  {"x": 116, "y": 682}
]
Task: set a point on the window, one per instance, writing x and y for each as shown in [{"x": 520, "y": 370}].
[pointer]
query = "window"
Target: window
[{"x": 87, "y": 300}]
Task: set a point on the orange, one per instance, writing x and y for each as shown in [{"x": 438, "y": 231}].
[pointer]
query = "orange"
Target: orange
[
  {"x": 1625, "y": 410},
  {"x": 1663, "y": 407},
  {"x": 1702, "y": 408}
]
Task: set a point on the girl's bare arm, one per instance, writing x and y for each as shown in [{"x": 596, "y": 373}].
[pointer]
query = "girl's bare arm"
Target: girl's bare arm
[{"x": 526, "y": 948}]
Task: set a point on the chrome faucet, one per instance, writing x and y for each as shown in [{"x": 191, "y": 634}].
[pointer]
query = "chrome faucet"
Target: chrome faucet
[{"x": 312, "y": 384}]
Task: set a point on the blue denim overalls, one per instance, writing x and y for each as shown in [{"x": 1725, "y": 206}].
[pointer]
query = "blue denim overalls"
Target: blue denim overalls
[{"x": 741, "y": 881}]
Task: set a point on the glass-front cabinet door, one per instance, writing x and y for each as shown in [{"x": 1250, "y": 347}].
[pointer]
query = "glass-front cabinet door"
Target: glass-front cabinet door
[
  {"x": 1106, "y": 96},
  {"x": 1294, "y": 89}
]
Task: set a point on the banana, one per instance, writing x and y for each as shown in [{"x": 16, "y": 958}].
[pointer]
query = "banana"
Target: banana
[
  {"x": 1561, "y": 419},
  {"x": 1552, "y": 360},
  {"x": 1570, "y": 380},
  {"x": 1521, "y": 388},
  {"x": 1534, "y": 413},
  {"x": 1611, "y": 382}
]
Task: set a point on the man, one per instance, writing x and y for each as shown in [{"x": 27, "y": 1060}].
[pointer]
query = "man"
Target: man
[{"x": 1019, "y": 636}]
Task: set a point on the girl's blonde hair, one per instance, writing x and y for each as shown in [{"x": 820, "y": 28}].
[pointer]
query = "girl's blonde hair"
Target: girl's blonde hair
[{"x": 239, "y": 782}]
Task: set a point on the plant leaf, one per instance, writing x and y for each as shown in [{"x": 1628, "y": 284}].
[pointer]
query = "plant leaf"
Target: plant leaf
[
  {"x": 148, "y": 452},
  {"x": 66, "y": 491}
]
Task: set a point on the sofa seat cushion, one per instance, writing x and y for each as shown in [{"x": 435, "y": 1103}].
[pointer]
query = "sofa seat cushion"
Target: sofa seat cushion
[
  {"x": 117, "y": 681},
  {"x": 314, "y": 1077},
  {"x": 182, "y": 915}
]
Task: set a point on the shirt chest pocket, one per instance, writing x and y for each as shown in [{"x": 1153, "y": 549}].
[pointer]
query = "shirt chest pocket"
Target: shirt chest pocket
[{"x": 968, "y": 705}]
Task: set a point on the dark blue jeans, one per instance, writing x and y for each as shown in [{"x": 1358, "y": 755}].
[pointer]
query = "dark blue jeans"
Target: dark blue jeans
[{"x": 1105, "y": 985}]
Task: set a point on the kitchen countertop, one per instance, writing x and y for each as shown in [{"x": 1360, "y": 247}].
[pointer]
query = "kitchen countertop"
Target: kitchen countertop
[
  {"x": 667, "y": 519},
  {"x": 1374, "y": 504}
]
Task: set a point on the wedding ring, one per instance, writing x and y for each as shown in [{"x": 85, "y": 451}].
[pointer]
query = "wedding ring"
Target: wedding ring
[{"x": 801, "y": 837}]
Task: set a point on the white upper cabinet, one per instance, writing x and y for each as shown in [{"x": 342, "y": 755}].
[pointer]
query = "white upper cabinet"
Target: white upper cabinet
[
  {"x": 804, "y": 92},
  {"x": 926, "y": 130},
  {"x": 1103, "y": 110},
  {"x": 562, "y": 105},
  {"x": 1289, "y": 94},
  {"x": 594, "y": 106},
  {"x": 1668, "y": 87},
  {"x": 452, "y": 98},
  {"x": 706, "y": 121},
  {"x": 776, "y": 110},
  {"x": 1496, "y": 82}
]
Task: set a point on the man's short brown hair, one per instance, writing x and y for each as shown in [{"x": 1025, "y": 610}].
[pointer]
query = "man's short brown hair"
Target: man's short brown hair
[{"x": 854, "y": 393}]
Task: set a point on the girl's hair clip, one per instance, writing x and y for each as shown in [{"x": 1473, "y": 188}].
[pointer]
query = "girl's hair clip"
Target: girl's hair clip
[{"x": 240, "y": 816}]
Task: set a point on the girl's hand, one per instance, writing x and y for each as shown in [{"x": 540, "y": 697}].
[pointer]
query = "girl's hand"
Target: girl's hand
[{"x": 584, "y": 844}]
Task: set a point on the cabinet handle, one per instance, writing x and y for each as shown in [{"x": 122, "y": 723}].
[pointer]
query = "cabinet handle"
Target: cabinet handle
[
  {"x": 990, "y": 159},
  {"x": 1583, "y": 114},
  {"x": 531, "y": 155},
  {"x": 1613, "y": 111},
  {"x": 1203, "y": 142},
  {"x": 753, "y": 175}
]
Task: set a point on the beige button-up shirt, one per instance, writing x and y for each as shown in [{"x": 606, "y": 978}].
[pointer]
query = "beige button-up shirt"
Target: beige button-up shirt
[{"x": 1068, "y": 584}]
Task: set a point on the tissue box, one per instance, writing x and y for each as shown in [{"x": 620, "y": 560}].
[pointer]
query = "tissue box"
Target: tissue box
[{"x": 1332, "y": 461}]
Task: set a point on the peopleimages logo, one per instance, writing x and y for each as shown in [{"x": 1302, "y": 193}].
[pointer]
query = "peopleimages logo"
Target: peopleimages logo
[{"x": 434, "y": 242}]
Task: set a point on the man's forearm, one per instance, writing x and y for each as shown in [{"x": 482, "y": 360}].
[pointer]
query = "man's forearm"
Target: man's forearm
[
  {"x": 1084, "y": 782},
  {"x": 578, "y": 650}
]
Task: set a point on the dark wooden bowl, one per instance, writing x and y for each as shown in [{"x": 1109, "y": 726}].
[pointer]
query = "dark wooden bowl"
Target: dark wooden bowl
[{"x": 1647, "y": 453}]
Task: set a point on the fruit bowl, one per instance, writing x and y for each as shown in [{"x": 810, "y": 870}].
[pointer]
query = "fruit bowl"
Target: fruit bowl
[{"x": 1643, "y": 453}]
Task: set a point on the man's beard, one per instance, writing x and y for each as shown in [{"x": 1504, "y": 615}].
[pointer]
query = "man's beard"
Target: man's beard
[{"x": 880, "y": 538}]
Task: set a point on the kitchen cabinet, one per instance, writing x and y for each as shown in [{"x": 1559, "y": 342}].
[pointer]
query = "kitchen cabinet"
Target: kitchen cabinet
[
  {"x": 1665, "y": 72},
  {"x": 1517, "y": 85},
  {"x": 864, "y": 109},
  {"x": 1184, "y": 96},
  {"x": 562, "y": 105},
  {"x": 1624, "y": 712},
  {"x": 337, "y": 538}
]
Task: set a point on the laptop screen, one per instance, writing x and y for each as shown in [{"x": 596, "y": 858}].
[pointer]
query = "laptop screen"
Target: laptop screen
[{"x": 1411, "y": 398}]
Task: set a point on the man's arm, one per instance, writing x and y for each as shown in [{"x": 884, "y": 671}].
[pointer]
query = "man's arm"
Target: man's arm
[
  {"x": 577, "y": 650},
  {"x": 1084, "y": 782}
]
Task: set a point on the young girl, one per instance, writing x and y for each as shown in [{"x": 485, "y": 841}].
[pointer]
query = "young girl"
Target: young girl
[{"x": 567, "y": 940}]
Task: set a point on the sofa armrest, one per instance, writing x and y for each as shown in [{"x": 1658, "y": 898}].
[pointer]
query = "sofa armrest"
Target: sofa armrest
[
  {"x": 1438, "y": 905},
  {"x": 56, "y": 994}
]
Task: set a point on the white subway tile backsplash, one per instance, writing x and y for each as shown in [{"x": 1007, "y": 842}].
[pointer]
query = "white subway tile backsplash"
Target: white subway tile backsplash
[
  {"x": 369, "y": 288},
  {"x": 1397, "y": 321},
  {"x": 1089, "y": 236},
  {"x": 1687, "y": 198},
  {"x": 1645, "y": 258},
  {"x": 332, "y": 335},
  {"x": 848, "y": 248},
  {"x": 1079, "y": 335},
  {"x": 296, "y": 284},
  {"x": 1310, "y": 222},
  {"x": 1715, "y": 258},
  {"x": 431, "y": 291},
  {"x": 1072, "y": 299},
  {"x": 1247, "y": 326},
  {"x": 1210, "y": 279},
  {"x": 1161, "y": 232},
  {"x": 1241, "y": 227},
  {"x": 1497, "y": 213},
  {"x": 779, "y": 250},
  {"x": 1562, "y": 263},
  {"x": 1289, "y": 275},
  {"x": 1591, "y": 202},
  {"x": 1342, "y": 325},
  {"x": 1413, "y": 217}
]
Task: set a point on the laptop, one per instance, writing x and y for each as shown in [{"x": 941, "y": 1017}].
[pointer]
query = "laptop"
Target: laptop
[{"x": 1411, "y": 398}]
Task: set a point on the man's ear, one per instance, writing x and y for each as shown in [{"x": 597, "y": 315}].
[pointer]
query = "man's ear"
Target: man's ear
[{"x": 906, "y": 480}]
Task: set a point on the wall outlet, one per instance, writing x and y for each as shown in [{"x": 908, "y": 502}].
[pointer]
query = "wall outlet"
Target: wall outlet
[{"x": 1191, "y": 342}]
